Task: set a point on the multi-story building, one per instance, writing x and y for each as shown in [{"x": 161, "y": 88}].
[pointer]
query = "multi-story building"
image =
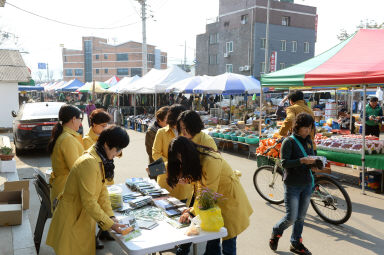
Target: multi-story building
[
  {"x": 99, "y": 60},
  {"x": 235, "y": 42}
]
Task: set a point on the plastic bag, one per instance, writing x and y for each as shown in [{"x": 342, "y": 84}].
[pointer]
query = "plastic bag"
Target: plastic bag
[{"x": 211, "y": 219}]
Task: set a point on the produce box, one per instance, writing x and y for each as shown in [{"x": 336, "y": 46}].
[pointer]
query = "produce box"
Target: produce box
[{"x": 372, "y": 180}]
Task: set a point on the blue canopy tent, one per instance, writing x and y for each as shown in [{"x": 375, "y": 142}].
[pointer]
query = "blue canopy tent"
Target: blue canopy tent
[
  {"x": 30, "y": 88},
  {"x": 72, "y": 86}
]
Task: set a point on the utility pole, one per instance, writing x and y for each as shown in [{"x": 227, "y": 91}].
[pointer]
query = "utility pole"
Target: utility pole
[
  {"x": 144, "y": 31},
  {"x": 185, "y": 56},
  {"x": 266, "y": 56}
]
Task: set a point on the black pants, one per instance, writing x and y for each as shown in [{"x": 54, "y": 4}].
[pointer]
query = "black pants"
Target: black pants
[{"x": 372, "y": 130}]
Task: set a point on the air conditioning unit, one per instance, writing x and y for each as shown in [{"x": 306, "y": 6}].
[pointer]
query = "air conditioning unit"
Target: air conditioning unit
[
  {"x": 241, "y": 68},
  {"x": 246, "y": 68},
  {"x": 226, "y": 54}
]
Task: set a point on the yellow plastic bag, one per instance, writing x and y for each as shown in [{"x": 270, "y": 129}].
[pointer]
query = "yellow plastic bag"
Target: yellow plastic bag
[{"x": 211, "y": 219}]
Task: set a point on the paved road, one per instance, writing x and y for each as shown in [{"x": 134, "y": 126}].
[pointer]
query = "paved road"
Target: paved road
[{"x": 363, "y": 234}]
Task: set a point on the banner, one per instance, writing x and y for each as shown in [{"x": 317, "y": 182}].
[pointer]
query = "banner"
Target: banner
[{"x": 272, "y": 61}]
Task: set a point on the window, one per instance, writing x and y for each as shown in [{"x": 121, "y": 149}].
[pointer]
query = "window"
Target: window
[
  {"x": 68, "y": 72},
  {"x": 163, "y": 59},
  {"x": 213, "y": 38},
  {"x": 229, "y": 68},
  {"x": 226, "y": 24},
  {"x": 294, "y": 46},
  {"x": 65, "y": 58},
  {"x": 97, "y": 71},
  {"x": 106, "y": 70},
  {"x": 78, "y": 72},
  {"x": 244, "y": 19},
  {"x": 229, "y": 47},
  {"x": 150, "y": 57},
  {"x": 306, "y": 47},
  {"x": 105, "y": 56},
  {"x": 122, "y": 56},
  {"x": 283, "y": 45},
  {"x": 122, "y": 71},
  {"x": 285, "y": 21},
  {"x": 262, "y": 67},
  {"x": 136, "y": 71},
  {"x": 282, "y": 66},
  {"x": 263, "y": 42},
  {"x": 213, "y": 59},
  {"x": 97, "y": 56}
]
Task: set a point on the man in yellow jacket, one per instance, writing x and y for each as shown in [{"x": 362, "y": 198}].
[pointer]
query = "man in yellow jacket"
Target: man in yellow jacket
[{"x": 298, "y": 105}]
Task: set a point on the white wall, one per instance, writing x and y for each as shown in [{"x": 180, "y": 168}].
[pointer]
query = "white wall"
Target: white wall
[{"x": 9, "y": 101}]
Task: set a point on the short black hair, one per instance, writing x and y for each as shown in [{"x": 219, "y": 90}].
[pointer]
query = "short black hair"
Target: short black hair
[
  {"x": 374, "y": 99},
  {"x": 296, "y": 95},
  {"x": 114, "y": 137},
  {"x": 192, "y": 121},
  {"x": 99, "y": 116},
  {"x": 303, "y": 120},
  {"x": 173, "y": 113}
]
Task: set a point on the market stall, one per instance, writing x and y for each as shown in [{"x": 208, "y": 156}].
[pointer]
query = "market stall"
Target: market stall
[{"x": 352, "y": 63}]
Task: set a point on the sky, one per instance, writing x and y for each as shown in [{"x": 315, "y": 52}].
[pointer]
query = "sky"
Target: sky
[{"x": 174, "y": 22}]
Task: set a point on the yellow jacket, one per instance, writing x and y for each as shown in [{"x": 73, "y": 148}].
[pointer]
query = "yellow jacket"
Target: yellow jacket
[
  {"x": 83, "y": 203},
  {"x": 219, "y": 177},
  {"x": 163, "y": 138},
  {"x": 90, "y": 139},
  {"x": 292, "y": 111},
  {"x": 205, "y": 140},
  {"x": 68, "y": 148}
]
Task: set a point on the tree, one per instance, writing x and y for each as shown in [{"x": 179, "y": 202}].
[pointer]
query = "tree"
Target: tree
[{"x": 364, "y": 24}]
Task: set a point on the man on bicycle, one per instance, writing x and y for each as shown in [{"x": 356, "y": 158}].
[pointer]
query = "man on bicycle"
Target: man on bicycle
[{"x": 298, "y": 105}]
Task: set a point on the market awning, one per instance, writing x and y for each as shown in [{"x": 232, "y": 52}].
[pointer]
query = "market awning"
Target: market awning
[
  {"x": 30, "y": 88},
  {"x": 71, "y": 86},
  {"x": 357, "y": 60}
]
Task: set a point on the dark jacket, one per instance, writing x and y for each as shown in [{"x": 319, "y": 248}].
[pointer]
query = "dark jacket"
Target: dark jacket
[
  {"x": 295, "y": 173},
  {"x": 150, "y": 138}
]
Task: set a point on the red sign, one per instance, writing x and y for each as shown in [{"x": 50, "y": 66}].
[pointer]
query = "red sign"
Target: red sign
[{"x": 273, "y": 61}]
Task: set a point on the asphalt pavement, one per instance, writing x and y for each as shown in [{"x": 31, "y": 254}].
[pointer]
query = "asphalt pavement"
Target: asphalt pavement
[{"x": 363, "y": 234}]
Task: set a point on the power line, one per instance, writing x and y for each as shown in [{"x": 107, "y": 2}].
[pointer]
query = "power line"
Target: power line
[{"x": 68, "y": 24}]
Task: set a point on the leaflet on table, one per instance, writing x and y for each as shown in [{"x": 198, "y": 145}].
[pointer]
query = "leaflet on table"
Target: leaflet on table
[
  {"x": 170, "y": 205},
  {"x": 132, "y": 228},
  {"x": 146, "y": 187}
]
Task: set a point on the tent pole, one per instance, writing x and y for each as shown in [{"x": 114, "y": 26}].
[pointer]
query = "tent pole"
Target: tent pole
[
  {"x": 230, "y": 108},
  {"x": 134, "y": 105},
  {"x": 363, "y": 135},
  {"x": 351, "y": 111},
  {"x": 155, "y": 102},
  {"x": 261, "y": 110}
]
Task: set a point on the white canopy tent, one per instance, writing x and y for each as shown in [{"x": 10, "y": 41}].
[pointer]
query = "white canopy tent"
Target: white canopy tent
[
  {"x": 124, "y": 83},
  {"x": 157, "y": 81}
]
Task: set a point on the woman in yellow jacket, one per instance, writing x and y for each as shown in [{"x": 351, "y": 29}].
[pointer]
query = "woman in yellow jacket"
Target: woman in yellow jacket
[
  {"x": 98, "y": 120},
  {"x": 85, "y": 200},
  {"x": 189, "y": 124},
  {"x": 65, "y": 147},
  {"x": 189, "y": 162},
  {"x": 160, "y": 150}
]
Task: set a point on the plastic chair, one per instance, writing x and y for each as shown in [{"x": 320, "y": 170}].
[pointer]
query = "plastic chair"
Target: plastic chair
[{"x": 45, "y": 212}]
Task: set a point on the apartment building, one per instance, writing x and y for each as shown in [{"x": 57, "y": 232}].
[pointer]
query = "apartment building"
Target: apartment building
[
  {"x": 99, "y": 60},
  {"x": 235, "y": 41}
]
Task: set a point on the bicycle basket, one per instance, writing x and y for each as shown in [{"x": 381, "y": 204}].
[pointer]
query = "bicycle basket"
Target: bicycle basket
[{"x": 264, "y": 161}]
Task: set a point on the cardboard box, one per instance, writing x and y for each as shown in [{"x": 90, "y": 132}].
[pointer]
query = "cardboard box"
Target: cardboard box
[
  {"x": 8, "y": 166},
  {"x": 325, "y": 170},
  {"x": 18, "y": 186},
  {"x": 11, "y": 212}
]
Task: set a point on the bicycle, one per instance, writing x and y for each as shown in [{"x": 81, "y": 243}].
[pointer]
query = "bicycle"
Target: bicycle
[{"x": 329, "y": 199}]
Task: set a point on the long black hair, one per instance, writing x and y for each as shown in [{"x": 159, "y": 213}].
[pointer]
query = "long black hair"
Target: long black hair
[
  {"x": 192, "y": 121},
  {"x": 66, "y": 113},
  {"x": 173, "y": 113},
  {"x": 189, "y": 167}
]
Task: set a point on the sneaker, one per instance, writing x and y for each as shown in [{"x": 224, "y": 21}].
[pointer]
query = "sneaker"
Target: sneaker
[
  {"x": 274, "y": 241},
  {"x": 299, "y": 248}
]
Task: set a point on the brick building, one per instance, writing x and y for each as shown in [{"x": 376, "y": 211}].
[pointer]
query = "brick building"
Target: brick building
[
  {"x": 235, "y": 42},
  {"x": 99, "y": 60}
]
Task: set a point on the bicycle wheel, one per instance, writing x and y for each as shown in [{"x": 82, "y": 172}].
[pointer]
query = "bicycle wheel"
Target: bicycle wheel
[
  {"x": 330, "y": 201},
  {"x": 270, "y": 186}
]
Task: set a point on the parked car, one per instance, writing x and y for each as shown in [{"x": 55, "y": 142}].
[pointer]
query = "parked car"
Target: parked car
[{"x": 33, "y": 124}]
